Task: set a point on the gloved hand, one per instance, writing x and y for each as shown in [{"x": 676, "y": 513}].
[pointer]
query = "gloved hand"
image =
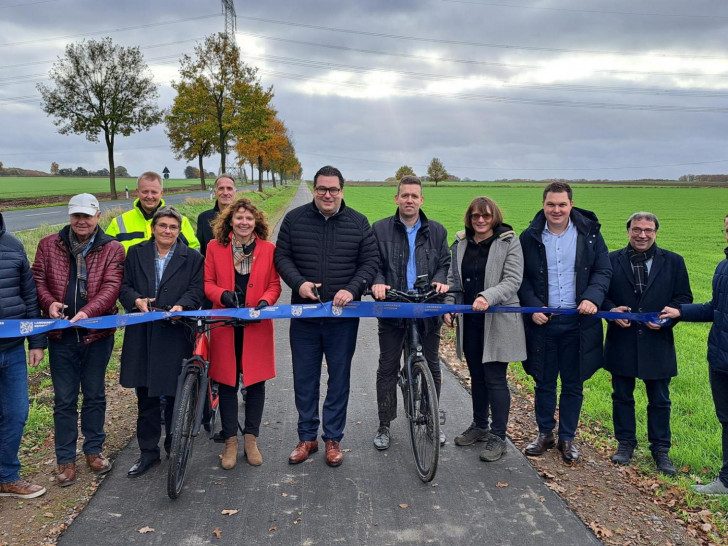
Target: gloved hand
[
  {"x": 228, "y": 299},
  {"x": 261, "y": 304}
]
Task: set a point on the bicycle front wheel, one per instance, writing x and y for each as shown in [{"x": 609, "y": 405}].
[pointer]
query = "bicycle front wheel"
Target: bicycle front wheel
[
  {"x": 424, "y": 422},
  {"x": 182, "y": 439}
]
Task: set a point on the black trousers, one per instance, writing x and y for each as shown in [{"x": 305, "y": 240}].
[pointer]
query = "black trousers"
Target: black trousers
[
  {"x": 391, "y": 345},
  {"x": 254, "y": 402},
  {"x": 149, "y": 423},
  {"x": 658, "y": 412},
  {"x": 719, "y": 387}
]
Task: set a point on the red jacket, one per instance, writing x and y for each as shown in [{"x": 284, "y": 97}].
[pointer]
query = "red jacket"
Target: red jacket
[
  {"x": 258, "y": 362},
  {"x": 105, "y": 269}
]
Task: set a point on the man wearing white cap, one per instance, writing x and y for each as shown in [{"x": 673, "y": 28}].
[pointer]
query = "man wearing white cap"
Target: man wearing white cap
[{"x": 78, "y": 273}]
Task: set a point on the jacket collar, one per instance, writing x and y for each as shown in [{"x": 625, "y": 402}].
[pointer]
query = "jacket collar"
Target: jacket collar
[
  {"x": 584, "y": 221},
  {"x": 424, "y": 222}
]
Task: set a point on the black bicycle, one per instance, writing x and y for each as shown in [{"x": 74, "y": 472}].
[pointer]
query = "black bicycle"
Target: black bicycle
[
  {"x": 196, "y": 396},
  {"x": 418, "y": 388}
]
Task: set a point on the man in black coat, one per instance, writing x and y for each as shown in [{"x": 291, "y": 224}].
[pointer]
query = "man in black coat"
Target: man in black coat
[
  {"x": 566, "y": 265},
  {"x": 645, "y": 279},
  {"x": 410, "y": 245},
  {"x": 225, "y": 193},
  {"x": 324, "y": 249}
]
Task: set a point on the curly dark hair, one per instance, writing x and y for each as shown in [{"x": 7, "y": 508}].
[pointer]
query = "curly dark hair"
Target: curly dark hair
[{"x": 223, "y": 224}]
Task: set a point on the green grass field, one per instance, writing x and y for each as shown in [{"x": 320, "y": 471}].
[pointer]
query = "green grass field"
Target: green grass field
[
  {"x": 691, "y": 220},
  {"x": 38, "y": 186}
]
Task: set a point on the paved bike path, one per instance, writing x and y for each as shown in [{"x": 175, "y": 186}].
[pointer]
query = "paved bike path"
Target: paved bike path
[{"x": 373, "y": 498}]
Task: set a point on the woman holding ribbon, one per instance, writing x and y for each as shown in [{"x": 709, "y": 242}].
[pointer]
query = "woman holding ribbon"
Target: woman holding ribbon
[
  {"x": 487, "y": 267},
  {"x": 239, "y": 272},
  {"x": 163, "y": 273}
]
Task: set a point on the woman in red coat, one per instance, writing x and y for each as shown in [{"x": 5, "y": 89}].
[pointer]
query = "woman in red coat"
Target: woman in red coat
[{"x": 239, "y": 272}]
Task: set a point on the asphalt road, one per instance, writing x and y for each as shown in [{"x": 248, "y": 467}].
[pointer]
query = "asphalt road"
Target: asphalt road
[
  {"x": 19, "y": 220},
  {"x": 373, "y": 498}
]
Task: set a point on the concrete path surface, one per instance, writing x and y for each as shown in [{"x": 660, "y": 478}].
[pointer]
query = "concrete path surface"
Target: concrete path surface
[{"x": 373, "y": 498}]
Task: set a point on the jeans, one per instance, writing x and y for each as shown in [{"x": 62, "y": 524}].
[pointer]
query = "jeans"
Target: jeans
[
  {"x": 658, "y": 412},
  {"x": 74, "y": 364},
  {"x": 391, "y": 344},
  {"x": 13, "y": 410},
  {"x": 719, "y": 388},
  {"x": 149, "y": 423},
  {"x": 254, "y": 402},
  {"x": 311, "y": 340},
  {"x": 561, "y": 359}
]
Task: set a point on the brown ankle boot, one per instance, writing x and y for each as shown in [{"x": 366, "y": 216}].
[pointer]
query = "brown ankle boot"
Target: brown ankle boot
[
  {"x": 229, "y": 457},
  {"x": 252, "y": 451}
]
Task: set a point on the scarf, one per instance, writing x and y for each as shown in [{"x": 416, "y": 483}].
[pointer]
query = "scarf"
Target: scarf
[
  {"x": 638, "y": 260},
  {"x": 78, "y": 251},
  {"x": 241, "y": 255}
]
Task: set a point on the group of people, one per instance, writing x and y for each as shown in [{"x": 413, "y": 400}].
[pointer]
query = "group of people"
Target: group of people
[{"x": 150, "y": 258}]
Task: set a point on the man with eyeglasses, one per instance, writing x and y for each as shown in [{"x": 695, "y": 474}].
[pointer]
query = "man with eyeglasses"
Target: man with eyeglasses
[
  {"x": 645, "y": 279},
  {"x": 566, "y": 265},
  {"x": 325, "y": 252}
]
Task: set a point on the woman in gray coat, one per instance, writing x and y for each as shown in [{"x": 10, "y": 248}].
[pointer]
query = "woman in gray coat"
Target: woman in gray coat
[{"x": 487, "y": 267}]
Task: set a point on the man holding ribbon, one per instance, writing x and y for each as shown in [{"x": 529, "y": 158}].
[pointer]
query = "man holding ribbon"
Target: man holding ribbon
[
  {"x": 78, "y": 273},
  {"x": 325, "y": 252},
  {"x": 410, "y": 245},
  {"x": 566, "y": 266},
  {"x": 645, "y": 279}
]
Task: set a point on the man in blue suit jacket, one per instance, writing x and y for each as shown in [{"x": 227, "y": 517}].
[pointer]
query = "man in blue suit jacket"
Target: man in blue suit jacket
[{"x": 645, "y": 279}]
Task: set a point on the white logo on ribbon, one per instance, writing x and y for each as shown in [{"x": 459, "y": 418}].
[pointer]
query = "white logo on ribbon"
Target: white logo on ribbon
[
  {"x": 337, "y": 310},
  {"x": 296, "y": 310},
  {"x": 254, "y": 313},
  {"x": 26, "y": 327}
]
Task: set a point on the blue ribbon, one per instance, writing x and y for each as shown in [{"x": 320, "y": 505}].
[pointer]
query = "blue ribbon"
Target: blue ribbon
[{"x": 355, "y": 309}]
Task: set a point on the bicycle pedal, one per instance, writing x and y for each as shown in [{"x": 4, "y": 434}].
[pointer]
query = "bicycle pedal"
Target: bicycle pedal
[{"x": 443, "y": 417}]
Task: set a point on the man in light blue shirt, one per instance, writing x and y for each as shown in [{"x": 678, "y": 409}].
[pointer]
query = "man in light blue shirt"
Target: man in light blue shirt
[{"x": 566, "y": 265}]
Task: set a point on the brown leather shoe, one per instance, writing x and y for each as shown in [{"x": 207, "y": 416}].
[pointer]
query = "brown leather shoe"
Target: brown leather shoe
[
  {"x": 334, "y": 456},
  {"x": 21, "y": 489},
  {"x": 98, "y": 463},
  {"x": 543, "y": 442},
  {"x": 66, "y": 474},
  {"x": 568, "y": 451},
  {"x": 302, "y": 451}
]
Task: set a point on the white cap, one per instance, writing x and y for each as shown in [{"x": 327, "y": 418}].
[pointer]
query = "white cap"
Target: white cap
[{"x": 83, "y": 203}]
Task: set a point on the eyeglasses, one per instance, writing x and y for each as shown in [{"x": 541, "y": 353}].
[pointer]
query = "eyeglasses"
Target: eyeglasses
[
  {"x": 168, "y": 227},
  {"x": 321, "y": 191},
  {"x": 646, "y": 231},
  {"x": 475, "y": 216}
]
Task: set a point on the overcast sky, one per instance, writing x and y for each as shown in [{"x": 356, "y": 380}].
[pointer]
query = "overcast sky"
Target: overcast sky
[{"x": 496, "y": 89}]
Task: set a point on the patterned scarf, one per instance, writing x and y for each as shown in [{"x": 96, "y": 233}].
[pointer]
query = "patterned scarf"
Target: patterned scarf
[
  {"x": 78, "y": 251},
  {"x": 241, "y": 256},
  {"x": 639, "y": 266}
]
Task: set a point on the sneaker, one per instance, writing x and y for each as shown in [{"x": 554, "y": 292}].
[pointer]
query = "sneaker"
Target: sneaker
[
  {"x": 471, "y": 435},
  {"x": 663, "y": 462},
  {"x": 21, "y": 489},
  {"x": 715, "y": 487},
  {"x": 443, "y": 438},
  {"x": 382, "y": 439},
  {"x": 495, "y": 448},
  {"x": 623, "y": 454}
]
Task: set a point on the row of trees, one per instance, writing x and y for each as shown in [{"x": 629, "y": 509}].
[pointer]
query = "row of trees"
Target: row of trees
[
  {"x": 436, "y": 172},
  {"x": 119, "y": 171},
  {"x": 99, "y": 89}
]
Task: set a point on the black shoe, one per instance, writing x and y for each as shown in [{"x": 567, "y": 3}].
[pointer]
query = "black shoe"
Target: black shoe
[
  {"x": 142, "y": 466},
  {"x": 539, "y": 446},
  {"x": 623, "y": 454},
  {"x": 568, "y": 451},
  {"x": 663, "y": 462},
  {"x": 383, "y": 438}
]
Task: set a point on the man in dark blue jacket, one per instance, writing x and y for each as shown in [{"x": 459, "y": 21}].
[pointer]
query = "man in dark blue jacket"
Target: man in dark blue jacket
[
  {"x": 645, "y": 279},
  {"x": 325, "y": 252},
  {"x": 715, "y": 311},
  {"x": 566, "y": 265},
  {"x": 410, "y": 245},
  {"x": 18, "y": 300}
]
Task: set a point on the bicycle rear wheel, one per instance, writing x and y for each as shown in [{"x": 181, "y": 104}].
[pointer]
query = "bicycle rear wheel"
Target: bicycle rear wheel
[
  {"x": 425, "y": 422},
  {"x": 182, "y": 439}
]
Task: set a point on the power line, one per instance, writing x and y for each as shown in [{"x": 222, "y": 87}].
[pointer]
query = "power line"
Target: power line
[
  {"x": 25, "y": 4},
  {"x": 474, "y": 44},
  {"x": 591, "y": 11},
  {"x": 122, "y": 29},
  {"x": 520, "y": 100}
]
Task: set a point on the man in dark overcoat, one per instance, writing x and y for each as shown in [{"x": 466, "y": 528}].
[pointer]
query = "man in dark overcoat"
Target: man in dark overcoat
[
  {"x": 566, "y": 265},
  {"x": 645, "y": 279}
]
